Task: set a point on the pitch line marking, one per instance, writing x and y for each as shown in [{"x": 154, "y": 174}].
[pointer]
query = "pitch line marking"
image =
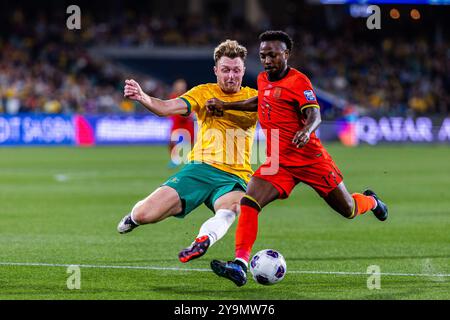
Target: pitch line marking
[{"x": 93, "y": 266}]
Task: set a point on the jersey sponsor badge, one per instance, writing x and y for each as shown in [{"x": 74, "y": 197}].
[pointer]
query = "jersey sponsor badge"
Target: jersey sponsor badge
[{"x": 309, "y": 95}]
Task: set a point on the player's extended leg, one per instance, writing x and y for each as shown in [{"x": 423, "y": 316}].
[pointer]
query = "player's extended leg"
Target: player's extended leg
[
  {"x": 352, "y": 205},
  {"x": 226, "y": 208},
  {"x": 259, "y": 194},
  {"x": 161, "y": 204}
]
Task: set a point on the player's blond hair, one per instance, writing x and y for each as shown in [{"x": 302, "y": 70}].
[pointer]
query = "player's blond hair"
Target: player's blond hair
[{"x": 231, "y": 49}]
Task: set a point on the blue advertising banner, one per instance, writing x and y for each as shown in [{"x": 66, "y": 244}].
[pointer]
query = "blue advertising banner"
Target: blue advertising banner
[
  {"x": 129, "y": 129},
  {"x": 36, "y": 130},
  {"x": 402, "y": 130}
]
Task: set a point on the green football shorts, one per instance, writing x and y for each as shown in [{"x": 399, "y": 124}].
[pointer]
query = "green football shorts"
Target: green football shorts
[{"x": 198, "y": 183}]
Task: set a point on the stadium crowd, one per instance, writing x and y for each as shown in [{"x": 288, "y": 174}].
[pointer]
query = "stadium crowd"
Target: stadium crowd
[
  {"x": 394, "y": 77},
  {"x": 48, "y": 68}
]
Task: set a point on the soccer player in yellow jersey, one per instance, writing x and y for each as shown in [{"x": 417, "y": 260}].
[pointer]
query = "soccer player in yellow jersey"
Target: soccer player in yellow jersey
[{"x": 219, "y": 164}]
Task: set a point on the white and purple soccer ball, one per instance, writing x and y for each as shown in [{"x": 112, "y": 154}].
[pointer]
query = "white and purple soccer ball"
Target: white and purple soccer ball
[{"x": 268, "y": 267}]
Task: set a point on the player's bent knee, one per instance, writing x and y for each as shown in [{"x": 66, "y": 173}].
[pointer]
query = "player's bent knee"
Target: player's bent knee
[
  {"x": 139, "y": 214},
  {"x": 143, "y": 214},
  {"x": 235, "y": 207}
]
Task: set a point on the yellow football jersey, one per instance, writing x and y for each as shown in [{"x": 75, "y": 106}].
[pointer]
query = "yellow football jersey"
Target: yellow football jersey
[{"x": 224, "y": 142}]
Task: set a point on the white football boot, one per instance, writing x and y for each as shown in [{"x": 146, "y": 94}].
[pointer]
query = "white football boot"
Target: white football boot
[{"x": 126, "y": 224}]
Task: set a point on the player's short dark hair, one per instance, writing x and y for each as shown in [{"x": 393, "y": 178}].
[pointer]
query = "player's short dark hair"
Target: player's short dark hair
[
  {"x": 231, "y": 49},
  {"x": 273, "y": 35}
]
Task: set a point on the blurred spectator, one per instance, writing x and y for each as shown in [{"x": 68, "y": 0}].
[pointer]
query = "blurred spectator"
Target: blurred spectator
[{"x": 182, "y": 125}]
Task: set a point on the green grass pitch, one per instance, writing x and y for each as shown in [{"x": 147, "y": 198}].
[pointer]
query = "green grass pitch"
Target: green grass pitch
[{"x": 60, "y": 207}]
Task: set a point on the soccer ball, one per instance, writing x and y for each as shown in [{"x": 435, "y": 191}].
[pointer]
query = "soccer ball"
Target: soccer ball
[{"x": 268, "y": 267}]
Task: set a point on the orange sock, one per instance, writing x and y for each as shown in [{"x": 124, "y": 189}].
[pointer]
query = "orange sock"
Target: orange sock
[
  {"x": 363, "y": 204},
  {"x": 247, "y": 228}
]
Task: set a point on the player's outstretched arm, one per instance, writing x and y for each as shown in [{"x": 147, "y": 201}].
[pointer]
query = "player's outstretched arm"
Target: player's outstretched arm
[
  {"x": 313, "y": 121},
  {"x": 162, "y": 108},
  {"x": 216, "y": 106}
]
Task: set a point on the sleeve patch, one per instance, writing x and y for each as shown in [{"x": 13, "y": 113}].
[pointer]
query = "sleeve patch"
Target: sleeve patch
[{"x": 309, "y": 95}]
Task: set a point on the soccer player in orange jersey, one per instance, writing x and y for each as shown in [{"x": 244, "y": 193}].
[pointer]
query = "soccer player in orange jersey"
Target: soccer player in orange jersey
[{"x": 289, "y": 112}]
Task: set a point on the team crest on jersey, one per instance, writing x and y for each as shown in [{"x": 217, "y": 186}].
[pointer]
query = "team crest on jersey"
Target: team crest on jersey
[
  {"x": 309, "y": 95},
  {"x": 174, "y": 180},
  {"x": 266, "y": 93},
  {"x": 277, "y": 93}
]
